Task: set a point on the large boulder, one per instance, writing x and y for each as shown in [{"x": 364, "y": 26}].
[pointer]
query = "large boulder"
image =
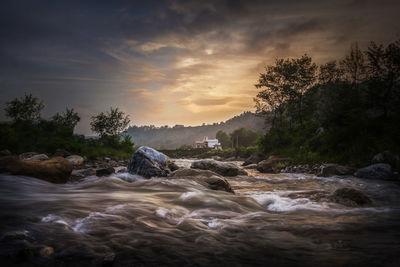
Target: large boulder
[
  {"x": 253, "y": 159},
  {"x": 27, "y": 155},
  {"x": 375, "y": 171},
  {"x": 273, "y": 164},
  {"x": 205, "y": 177},
  {"x": 55, "y": 170},
  {"x": 330, "y": 169},
  {"x": 222, "y": 168},
  {"x": 76, "y": 160},
  {"x": 148, "y": 162},
  {"x": 350, "y": 197}
]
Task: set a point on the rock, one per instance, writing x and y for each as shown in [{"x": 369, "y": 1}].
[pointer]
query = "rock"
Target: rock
[
  {"x": 375, "y": 171},
  {"x": 350, "y": 197},
  {"x": 107, "y": 159},
  {"x": 222, "y": 168},
  {"x": 120, "y": 169},
  {"x": 272, "y": 165},
  {"x": 253, "y": 159},
  {"x": 217, "y": 158},
  {"x": 205, "y": 177},
  {"x": 105, "y": 171},
  {"x": 38, "y": 157},
  {"x": 148, "y": 162},
  {"x": 172, "y": 166},
  {"x": 251, "y": 166},
  {"x": 61, "y": 153},
  {"x": 27, "y": 155},
  {"x": 54, "y": 170},
  {"x": 5, "y": 152},
  {"x": 320, "y": 130},
  {"x": 378, "y": 158},
  {"x": 330, "y": 169},
  {"x": 82, "y": 173},
  {"x": 75, "y": 160}
]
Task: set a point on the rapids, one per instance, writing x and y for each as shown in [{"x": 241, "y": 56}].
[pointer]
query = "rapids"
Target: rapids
[{"x": 126, "y": 220}]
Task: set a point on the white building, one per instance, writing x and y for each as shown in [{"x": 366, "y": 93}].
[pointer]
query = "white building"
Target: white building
[{"x": 208, "y": 143}]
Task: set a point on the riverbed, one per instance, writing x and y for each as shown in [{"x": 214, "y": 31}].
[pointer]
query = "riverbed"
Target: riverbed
[{"x": 126, "y": 220}]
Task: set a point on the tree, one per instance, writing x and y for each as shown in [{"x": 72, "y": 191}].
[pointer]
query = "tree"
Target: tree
[
  {"x": 223, "y": 138},
  {"x": 69, "y": 118},
  {"x": 111, "y": 123},
  {"x": 26, "y": 108},
  {"x": 244, "y": 137},
  {"x": 353, "y": 65},
  {"x": 384, "y": 76},
  {"x": 286, "y": 82}
]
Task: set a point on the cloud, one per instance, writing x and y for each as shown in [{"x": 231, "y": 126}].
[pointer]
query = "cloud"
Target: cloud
[{"x": 171, "y": 62}]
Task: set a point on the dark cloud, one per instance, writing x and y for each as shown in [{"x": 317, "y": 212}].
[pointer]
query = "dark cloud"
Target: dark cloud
[{"x": 90, "y": 53}]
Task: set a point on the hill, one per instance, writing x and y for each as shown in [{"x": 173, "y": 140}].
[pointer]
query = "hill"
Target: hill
[{"x": 174, "y": 137}]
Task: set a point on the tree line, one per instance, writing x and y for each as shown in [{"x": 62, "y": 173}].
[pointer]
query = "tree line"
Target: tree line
[
  {"x": 345, "y": 110},
  {"x": 28, "y": 131}
]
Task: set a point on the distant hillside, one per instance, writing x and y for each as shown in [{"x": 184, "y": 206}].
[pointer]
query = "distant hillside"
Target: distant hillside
[{"x": 175, "y": 137}]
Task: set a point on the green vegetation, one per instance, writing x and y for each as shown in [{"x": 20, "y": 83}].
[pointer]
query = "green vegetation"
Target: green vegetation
[
  {"x": 28, "y": 132},
  {"x": 342, "y": 112}
]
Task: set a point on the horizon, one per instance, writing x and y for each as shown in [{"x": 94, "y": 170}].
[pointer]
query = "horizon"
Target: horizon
[{"x": 176, "y": 62}]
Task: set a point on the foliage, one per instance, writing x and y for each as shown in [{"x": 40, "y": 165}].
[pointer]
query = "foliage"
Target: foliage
[
  {"x": 26, "y": 108},
  {"x": 244, "y": 137},
  {"x": 68, "y": 119},
  {"x": 349, "y": 111},
  {"x": 112, "y": 122},
  {"x": 224, "y": 139}
]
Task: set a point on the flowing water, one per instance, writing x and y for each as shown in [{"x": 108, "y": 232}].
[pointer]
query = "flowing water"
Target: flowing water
[{"x": 125, "y": 220}]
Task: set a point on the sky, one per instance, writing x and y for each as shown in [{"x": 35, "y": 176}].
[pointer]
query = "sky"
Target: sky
[{"x": 171, "y": 62}]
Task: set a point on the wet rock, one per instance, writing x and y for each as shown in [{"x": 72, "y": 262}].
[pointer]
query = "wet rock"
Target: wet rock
[
  {"x": 375, "y": 171},
  {"x": 251, "y": 166},
  {"x": 54, "y": 170},
  {"x": 61, "y": 153},
  {"x": 5, "y": 152},
  {"x": 120, "y": 169},
  {"x": 46, "y": 251},
  {"x": 15, "y": 235},
  {"x": 331, "y": 169},
  {"x": 105, "y": 171},
  {"x": 148, "y": 162},
  {"x": 172, "y": 165},
  {"x": 107, "y": 159},
  {"x": 314, "y": 195},
  {"x": 38, "y": 157},
  {"x": 27, "y": 155},
  {"x": 205, "y": 177},
  {"x": 75, "y": 160},
  {"x": 82, "y": 173},
  {"x": 222, "y": 168},
  {"x": 253, "y": 159},
  {"x": 350, "y": 197},
  {"x": 272, "y": 165},
  {"x": 378, "y": 158}
]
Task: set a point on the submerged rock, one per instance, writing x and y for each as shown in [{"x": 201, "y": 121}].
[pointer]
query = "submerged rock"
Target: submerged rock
[
  {"x": 105, "y": 171},
  {"x": 350, "y": 197},
  {"x": 55, "y": 170},
  {"x": 75, "y": 160},
  {"x": 222, "y": 168},
  {"x": 148, "y": 163},
  {"x": 172, "y": 165},
  {"x": 82, "y": 173},
  {"x": 375, "y": 171},
  {"x": 251, "y": 166},
  {"x": 205, "y": 177},
  {"x": 272, "y": 165},
  {"x": 331, "y": 169}
]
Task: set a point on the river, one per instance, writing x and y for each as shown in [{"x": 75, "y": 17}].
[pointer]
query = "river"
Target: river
[{"x": 126, "y": 220}]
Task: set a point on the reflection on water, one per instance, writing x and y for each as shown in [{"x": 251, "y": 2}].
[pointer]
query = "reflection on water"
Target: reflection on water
[{"x": 125, "y": 220}]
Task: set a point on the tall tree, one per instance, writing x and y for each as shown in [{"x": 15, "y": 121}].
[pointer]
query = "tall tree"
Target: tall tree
[
  {"x": 223, "y": 138},
  {"x": 354, "y": 66},
  {"x": 27, "y": 108},
  {"x": 69, "y": 118},
  {"x": 111, "y": 123}
]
